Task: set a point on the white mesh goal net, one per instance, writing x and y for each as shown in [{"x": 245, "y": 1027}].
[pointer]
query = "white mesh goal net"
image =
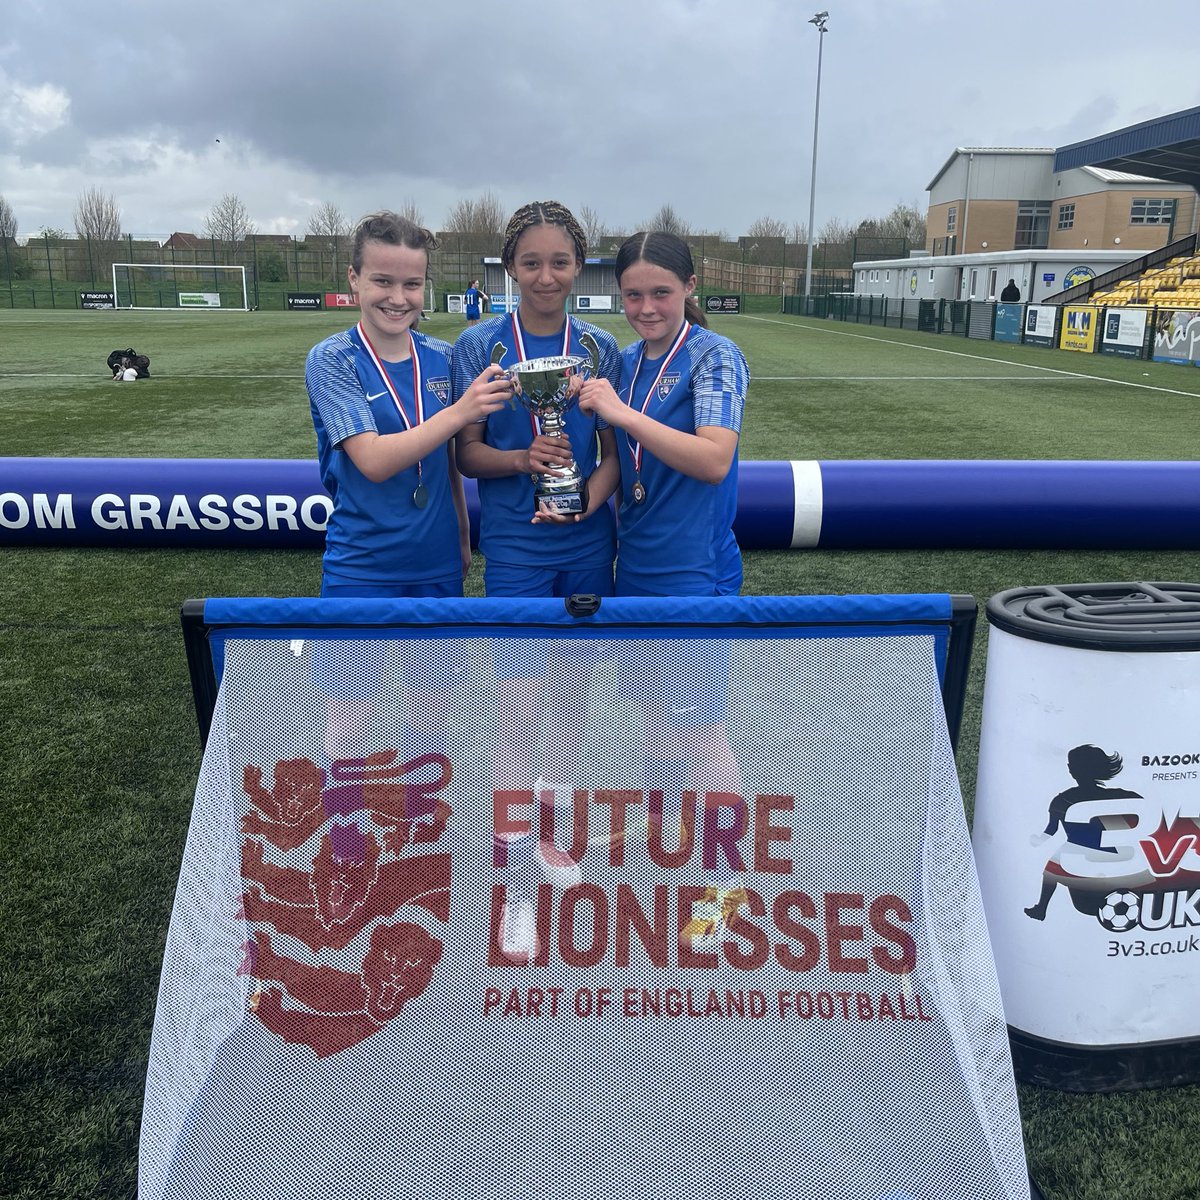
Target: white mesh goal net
[{"x": 666, "y": 912}]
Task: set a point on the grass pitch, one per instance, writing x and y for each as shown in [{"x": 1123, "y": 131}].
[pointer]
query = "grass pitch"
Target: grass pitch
[{"x": 98, "y": 737}]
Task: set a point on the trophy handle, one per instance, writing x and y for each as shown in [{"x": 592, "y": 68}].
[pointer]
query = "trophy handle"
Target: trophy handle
[
  {"x": 589, "y": 344},
  {"x": 499, "y": 350}
]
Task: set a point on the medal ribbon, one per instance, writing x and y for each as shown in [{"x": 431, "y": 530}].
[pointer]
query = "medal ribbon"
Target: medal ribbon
[
  {"x": 520, "y": 344},
  {"x": 635, "y": 448},
  {"x": 418, "y": 398}
]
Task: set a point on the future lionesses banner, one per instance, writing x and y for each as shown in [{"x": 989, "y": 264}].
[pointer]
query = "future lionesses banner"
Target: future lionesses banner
[{"x": 493, "y": 904}]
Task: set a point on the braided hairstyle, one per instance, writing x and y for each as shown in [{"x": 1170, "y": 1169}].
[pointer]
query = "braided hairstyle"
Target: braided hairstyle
[
  {"x": 393, "y": 230},
  {"x": 541, "y": 212},
  {"x": 669, "y": 252}
]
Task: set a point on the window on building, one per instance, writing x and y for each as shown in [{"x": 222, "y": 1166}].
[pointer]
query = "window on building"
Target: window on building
[
  {"x": 887, "y": 277},
  {"x": 1033, "y": 225},
  {"x": 952, "y": 218},
  {"x": 1066, "y": 216},
  {"x": 1147, "y": 211},
  {"x": 930, "y": 274}
]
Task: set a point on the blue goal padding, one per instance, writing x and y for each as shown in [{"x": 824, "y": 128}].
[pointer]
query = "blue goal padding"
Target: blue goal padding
[{"x": 696, "y": 612}]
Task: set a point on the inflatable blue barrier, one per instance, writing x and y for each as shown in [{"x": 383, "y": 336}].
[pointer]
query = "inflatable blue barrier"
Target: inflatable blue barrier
[{"x": 839, "y": 504}]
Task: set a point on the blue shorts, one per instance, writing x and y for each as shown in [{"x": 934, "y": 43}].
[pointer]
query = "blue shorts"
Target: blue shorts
[
  {"x": 677, "y": 583},
  {"x": 339, "y": 588},
  {"x": 523, "y": 660},
  {"x": 510, "y": 579}
]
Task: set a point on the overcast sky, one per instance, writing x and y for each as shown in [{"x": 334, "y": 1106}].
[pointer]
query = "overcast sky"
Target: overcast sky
[{"x": 620, "y": 105}]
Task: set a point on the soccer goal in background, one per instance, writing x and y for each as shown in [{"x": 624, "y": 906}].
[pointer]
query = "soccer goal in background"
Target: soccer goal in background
[{"x": 171, "y": 285}]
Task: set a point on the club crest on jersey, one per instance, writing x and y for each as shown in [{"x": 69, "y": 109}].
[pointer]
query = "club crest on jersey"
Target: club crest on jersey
[
  {"x": 440, "y": 387},
  {"x": 666, "y": 385}
]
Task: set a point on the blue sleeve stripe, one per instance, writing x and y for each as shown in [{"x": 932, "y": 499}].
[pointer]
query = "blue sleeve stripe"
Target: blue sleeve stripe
[{"x": 719, "y": 382}]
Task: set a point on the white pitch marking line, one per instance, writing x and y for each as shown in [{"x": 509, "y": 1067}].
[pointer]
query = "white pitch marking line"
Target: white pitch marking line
[
  {"x": 1149, "y": 387},
  {"x": 906, "y": 378}
]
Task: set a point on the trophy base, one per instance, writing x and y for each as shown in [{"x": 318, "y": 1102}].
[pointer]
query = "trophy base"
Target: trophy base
[{"x": 567, "y": 503}]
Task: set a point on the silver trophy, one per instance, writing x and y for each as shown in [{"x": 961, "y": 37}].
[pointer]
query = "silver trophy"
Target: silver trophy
[{"x": 542, "y": 386}]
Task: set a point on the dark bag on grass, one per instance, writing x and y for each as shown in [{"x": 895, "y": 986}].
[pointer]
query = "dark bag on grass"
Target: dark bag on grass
[
  {"x": 119, "y": 360},
  {"x": 116, "y": 359}
]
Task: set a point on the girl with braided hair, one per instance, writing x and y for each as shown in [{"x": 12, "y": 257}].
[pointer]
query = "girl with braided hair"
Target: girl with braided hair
[{"x": 527, "y": 552}]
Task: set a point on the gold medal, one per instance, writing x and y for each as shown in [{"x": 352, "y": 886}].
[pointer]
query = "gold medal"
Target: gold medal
[
  {"x": 639, "y": 493},
  {"x": 421, "y": 495}
]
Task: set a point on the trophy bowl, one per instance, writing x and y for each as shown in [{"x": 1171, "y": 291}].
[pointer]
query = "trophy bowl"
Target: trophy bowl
[{"x": 542, "y": 383}]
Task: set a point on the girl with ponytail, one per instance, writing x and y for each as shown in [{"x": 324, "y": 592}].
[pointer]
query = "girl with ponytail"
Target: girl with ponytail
[{"x": 678, "y": 415}]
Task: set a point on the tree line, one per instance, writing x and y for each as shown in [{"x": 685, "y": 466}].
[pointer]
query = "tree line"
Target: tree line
[{"x": 97, "y": 218}]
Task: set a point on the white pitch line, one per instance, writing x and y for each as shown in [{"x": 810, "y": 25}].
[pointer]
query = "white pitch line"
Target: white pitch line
[
  {"x": 905, "y": 378},
  {"x": 999, "y": 362}
]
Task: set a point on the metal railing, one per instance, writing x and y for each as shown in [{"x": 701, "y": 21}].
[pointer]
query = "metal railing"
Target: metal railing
[
  {"x": 989, "y": 321},
  {"x": 1155, "y": 258}
]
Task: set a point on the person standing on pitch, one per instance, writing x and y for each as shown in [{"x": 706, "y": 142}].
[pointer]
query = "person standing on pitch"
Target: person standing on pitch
[
  {"x": 529, "y": 551},
  {"x": 526, "y": 552},
  {"x": 678, "y": 417},
  {"x": 473, "y": 302},
  {"x": 379, "y": 394}
]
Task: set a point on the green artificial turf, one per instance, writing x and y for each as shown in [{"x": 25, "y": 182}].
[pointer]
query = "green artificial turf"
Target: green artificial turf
[{"x": 98, "y": 736}]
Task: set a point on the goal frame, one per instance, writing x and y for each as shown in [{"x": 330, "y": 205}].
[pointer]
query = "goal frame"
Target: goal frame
[{"x": 245, "y": 306}]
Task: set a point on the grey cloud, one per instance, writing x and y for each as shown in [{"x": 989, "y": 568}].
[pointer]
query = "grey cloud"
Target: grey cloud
[{"x": 622, "y": 105}]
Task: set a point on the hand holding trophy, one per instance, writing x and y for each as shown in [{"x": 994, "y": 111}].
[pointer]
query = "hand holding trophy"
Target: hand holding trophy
[{"x": 543, "y": 386}]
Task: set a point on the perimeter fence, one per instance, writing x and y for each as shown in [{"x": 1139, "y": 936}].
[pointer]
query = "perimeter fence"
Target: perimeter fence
[
  {"x": 1163, "y": 333},
  {"x": 53, "y": 270}
]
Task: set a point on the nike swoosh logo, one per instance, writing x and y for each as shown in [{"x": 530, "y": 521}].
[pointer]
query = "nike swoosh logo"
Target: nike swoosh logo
[{"x": 375, "y": 396}]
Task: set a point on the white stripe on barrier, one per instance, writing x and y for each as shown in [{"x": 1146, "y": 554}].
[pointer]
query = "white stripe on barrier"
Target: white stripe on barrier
[{"x": 807, "y": 503}]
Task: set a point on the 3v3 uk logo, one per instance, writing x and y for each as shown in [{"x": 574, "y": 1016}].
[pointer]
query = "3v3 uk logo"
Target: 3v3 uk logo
[{"x": 1128, "y": 860}]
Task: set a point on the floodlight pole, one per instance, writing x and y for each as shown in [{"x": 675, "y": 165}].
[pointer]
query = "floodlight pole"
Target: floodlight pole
[{"x": 820, "y": 20}]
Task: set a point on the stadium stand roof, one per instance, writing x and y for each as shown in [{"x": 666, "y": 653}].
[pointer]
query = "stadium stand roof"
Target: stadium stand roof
[{"x": 1166, "y": 148}]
